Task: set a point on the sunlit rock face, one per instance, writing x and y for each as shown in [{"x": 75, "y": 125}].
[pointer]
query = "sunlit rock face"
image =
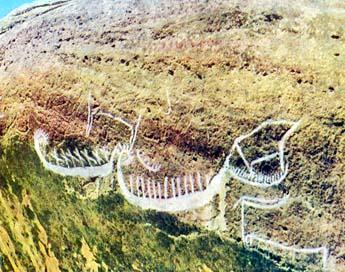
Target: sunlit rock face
[
  {"x": 201, "y": 74},
  {"x": 39, "y": 31}
]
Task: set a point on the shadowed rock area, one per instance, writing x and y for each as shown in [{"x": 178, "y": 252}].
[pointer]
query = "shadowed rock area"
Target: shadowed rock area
[{"x": 201, "y": 73}]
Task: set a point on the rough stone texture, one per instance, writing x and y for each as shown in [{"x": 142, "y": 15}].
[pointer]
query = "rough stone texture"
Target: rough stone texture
[{"x": 227, "y": 65}]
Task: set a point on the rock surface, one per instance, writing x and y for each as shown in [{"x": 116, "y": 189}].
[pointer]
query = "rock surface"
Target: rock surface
[{"x": 226, "y": 67}]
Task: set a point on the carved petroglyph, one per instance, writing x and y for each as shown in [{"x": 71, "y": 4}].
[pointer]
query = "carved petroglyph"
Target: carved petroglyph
[
  {"x": 97, "y": 162},
  {"x": 172, "y": 194},
  {"x": 259, "y": 203},
  {"x": 273, "y": 246},
  {"x": 248, "y": 174},
  {"x": 88, "y": 162},
  {"x": 184, "y": 192},
  {"x": 147, "y": 163},
  {"x": 98, "y": 112},
  {"x": 250, "y": 238},
  {"x": 90, "y": 115}
]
